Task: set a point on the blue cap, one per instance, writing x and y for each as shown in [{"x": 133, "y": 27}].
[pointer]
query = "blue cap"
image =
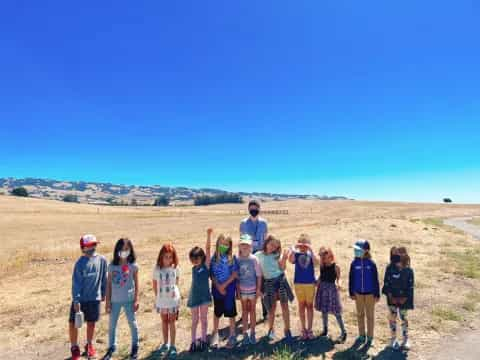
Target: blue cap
[{"x": 362, "y": 244}]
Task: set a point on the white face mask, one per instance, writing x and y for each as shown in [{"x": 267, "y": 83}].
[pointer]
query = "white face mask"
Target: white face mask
[{"x": 124, "y": 254}]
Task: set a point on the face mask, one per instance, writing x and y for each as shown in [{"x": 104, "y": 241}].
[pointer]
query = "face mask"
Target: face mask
[
  {"x": 359, "y": 252},
  {"x": 89, "y": 251},
  {"x": 395, "y": 259},
  {"x": 254, "y": 212},
  {"x": 124, "y": 254},
  {"x": 223, "y": 249}
]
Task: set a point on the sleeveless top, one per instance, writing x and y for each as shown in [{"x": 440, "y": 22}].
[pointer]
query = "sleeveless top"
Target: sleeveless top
[
  {"x": 328, "y": 273},
  {"x": 200, "y": 288},
  {"x": 304, "y": 269}
]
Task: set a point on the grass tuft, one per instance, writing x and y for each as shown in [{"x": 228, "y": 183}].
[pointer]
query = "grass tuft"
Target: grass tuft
[{"x": 442, "y": 313}]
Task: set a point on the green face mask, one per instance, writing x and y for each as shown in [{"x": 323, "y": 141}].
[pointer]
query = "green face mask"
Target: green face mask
[{"x": 223, "y": 249}]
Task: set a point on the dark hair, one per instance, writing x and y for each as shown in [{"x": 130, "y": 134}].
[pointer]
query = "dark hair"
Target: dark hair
[
  {"x": 197, "y": 252},
  {"x": 119, "y": 246},
  {"x": 254, "y": 203},
  {"x": 404, "y": 257}
]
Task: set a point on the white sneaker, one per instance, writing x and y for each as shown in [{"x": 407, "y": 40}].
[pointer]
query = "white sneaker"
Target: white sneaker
[
  {"x": 406, "y": 344},
  {"x": 394, "y": 343}
]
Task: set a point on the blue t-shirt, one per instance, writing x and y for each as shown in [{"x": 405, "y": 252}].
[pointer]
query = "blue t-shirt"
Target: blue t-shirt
[
  {"x": 257, "y": 230},
  {"x": 221, "y": 270},
  {"x": 304, "y": 269}
]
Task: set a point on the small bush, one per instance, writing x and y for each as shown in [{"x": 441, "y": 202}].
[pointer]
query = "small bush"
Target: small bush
[
  {"x": 70, "y": 198},
  {"x": 20, "y": 191},
  {"x": 161, "y": 201}
]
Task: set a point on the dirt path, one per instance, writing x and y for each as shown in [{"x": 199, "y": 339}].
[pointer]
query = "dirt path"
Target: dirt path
[
  {"x": 464, "y": 225},
  {"x": 465, "y": 345}
]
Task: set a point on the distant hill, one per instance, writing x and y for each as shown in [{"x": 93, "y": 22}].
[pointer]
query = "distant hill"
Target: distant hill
[{"x": 115, "y": 194}]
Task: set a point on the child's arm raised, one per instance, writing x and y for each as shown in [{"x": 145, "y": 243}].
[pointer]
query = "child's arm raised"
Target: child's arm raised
[
  {"x": 283, "y": 260},
  {"x": 208, "y": 246},
  {"x": 291, "y": 257}
]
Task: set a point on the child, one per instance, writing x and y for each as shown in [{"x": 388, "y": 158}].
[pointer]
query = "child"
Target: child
[
  {"x": 200, "y": 297},
  {"x": 249, "y": 287},
  {"x": 165, "y": 286},
  {"x": 122, "y": 292},
  {"x": 328, "y": 297},
  {"x": 398, "y": 287},
  {"x": 304, "y": 282},
  {"x": 224, "y": 273},
  {"x": 365, "y": 290},
  {"x": 276, "y": 286},
  {"x": 89, "y": 284}
]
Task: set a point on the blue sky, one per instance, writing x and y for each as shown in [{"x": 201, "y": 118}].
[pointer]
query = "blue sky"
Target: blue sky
[{"x": 373, "y": 100}]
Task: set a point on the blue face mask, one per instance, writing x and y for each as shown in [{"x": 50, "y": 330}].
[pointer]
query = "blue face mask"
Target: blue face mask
[{"x": 359, "y": 252}]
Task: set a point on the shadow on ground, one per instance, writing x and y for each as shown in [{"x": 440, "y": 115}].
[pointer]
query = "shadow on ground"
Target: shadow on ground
[{"x": 295, "y": 350}]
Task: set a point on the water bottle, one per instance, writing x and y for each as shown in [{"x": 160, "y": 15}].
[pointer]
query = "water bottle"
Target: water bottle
[{"x": 79, "y": 319}]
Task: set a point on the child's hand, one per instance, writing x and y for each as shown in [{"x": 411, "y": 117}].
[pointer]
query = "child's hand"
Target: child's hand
[
  {"x": 209, "y": 231},
  {"x": 377, "y": 299},
  {"x": 136, "y": 306},
  {"x": 286, "y": 253},
  {"x": 76, "y": 307},
  {"x": 108, "y": 307},
  {"x": 221, "y": 290},
  {"x": 259, "y": 295},
  {"x": 353, "y": 297}
]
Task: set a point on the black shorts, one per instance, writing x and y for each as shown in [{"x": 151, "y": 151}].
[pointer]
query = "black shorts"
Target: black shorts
[
  {"x": 220, "y": 309},
  {"x": 90, "y": 309}
]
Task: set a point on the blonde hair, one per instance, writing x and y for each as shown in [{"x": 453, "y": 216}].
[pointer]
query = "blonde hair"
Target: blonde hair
[
  {"x": 329, "y": 255},
  {"x": 227, "y": 238},
  {"x": 304, "y": 239}
]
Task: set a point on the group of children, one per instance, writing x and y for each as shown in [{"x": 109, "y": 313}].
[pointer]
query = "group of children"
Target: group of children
[{"x": 225, "y": 278}]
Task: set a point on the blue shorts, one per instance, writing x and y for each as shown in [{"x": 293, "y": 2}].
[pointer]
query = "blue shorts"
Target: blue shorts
[{"x": 90, "y": 309}]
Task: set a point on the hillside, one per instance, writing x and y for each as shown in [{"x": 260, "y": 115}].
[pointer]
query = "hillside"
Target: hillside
[{"x": 108, "y": 193}]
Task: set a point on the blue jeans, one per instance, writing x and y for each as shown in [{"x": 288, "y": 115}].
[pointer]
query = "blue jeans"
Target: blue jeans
[{"x": 132, "y": 322}]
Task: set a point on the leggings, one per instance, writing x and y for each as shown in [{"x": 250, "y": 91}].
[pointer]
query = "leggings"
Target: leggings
[
  {"x": 392, "y": 319},
  {"x": 339, "y": 321},
  {"x": 199, "y": 313}
]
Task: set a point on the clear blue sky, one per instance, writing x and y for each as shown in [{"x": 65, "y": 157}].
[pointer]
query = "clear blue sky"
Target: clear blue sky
[{"x": 369, "y": 99}]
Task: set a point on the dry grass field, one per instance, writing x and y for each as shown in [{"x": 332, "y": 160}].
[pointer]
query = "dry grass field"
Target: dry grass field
[{"x": 40, "y": 244}]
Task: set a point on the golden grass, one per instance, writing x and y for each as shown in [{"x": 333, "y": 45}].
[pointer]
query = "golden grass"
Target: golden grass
[{"x": 40, "y": 241}]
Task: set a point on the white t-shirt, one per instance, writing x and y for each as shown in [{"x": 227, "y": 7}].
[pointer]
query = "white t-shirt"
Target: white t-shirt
[{"x": 168, "y": 294}]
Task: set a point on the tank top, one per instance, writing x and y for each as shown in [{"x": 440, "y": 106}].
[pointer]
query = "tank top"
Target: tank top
[
  {"x": 200, "y": 288},
  {"x": 328, "y": 273}
]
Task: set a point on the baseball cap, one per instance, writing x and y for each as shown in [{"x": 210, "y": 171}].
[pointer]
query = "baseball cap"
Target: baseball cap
[
  {"x": 245, "y": 239},
  {"x": 88, "y": 240},
  {"x": 362, "y": 244}
]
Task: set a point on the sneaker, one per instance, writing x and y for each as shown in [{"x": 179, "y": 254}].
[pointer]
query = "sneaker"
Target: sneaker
[
  {"x": 405, "y": 344},
  {"x": 90, "y": 351},
  {"x": 232, "y": 341},
  {"x": 253, "y": 339},
  {"x": 361, "y": 340},
  {"x": 310, "y": 335},
  {"x": 75, "y": 352},
  {"x": 108, "y": 354},
  {"x": 304, "y": 335},
  {"x": 193, "y": 348},
  {"x": 370, "y": 342},
  {"x": 288, "y": 338},
  {"x": 163, "y": 349},
  {"x": 394, "y": 343},
  {"x": 134, "y": 353},
  {"x": 214, "y": 340},
  {"x": 203, "y": 346},
  {"x": 245, "y": 340},
  {"x": 342, "y": 338},
  {"x": 271, "y": 335},
  {"x": 172, "y": 353}
]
